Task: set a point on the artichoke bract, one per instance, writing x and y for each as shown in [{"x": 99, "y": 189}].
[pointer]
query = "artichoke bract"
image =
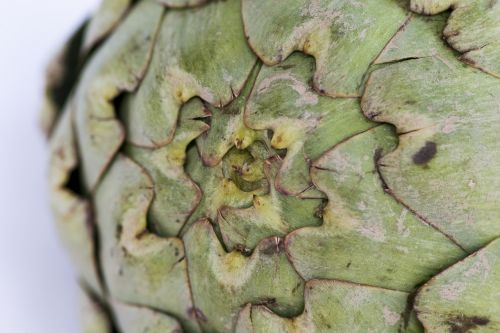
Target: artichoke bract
[{"x": 281, "y": 166}]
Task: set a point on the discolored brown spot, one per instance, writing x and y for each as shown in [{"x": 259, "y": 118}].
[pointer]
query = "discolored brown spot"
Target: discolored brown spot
[
  {"x": 451, "y": 33},
  {"x": 267, "y": 302},
  {"x": 271, "y": 246},
  {"x": 197, "y": 314},
  {"x": 372, "y": 115},
  {"x": 464, "y": 324},
  {"x": 243, "y": 249},
  {"x": 467, "y": 60},
  {"x": 425, "y": 154}
]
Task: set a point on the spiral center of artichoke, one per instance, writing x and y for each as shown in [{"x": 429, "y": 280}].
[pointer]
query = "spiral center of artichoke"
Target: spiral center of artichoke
[{"x": 245, "y": 167}]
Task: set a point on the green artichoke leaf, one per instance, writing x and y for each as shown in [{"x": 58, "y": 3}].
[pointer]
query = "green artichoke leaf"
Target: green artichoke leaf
[
  {"x": 176, "y": 195},
  {"x": 343, "y": 36},
  {"x": 227, "y": 127},
  {"x": 72, "y": 212},
  {"x": 258, "y": 166},
  {"x": 421, "y": 36},
  {"x": 103, "y": 21},
  {"x": 367, "y": 237},
  {"x": 464, "y": 297},
  {"x": 335, "y": 307},
  {"x": 224, "y": 282},
  {"x": 116, "y": 67},
  {"x": 444, "y": 167},
  {"x": 304, "y": 122},
  {"x": 220, "y": 187},
  {"x": 472, "y": 30},
  {"x": 139, "y": 267},
  {"x": 272, "y": 214},
  {"x": 200, "y": 52},
  {"x": 136, "y": 319}
]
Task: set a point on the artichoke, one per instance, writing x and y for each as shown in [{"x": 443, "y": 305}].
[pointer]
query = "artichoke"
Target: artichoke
[{"x": 281, "y": 166}]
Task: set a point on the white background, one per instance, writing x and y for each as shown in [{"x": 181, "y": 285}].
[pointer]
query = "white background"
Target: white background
[{"x": 37, "y": 289}]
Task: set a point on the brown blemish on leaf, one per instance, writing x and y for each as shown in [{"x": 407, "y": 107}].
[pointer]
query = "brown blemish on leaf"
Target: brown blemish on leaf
[
  {"x": 267, "y": 302},
  {"x": 197, "y": 314},
  {"x": 425, "y": 154},
  {"x": 372, "y": 115},
  {"x": 243, "y": 249},
  {"x": 447, "y": 34},
  {"x": 467, "y": 60},
  {"x": 464, "y": 324},
  {"x": 271, "y": 246}
]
